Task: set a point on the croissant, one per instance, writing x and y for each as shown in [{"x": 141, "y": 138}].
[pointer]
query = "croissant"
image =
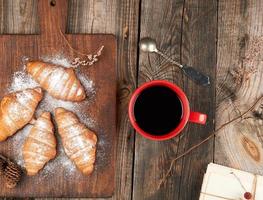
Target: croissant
[
  {"x": 78, "y": 141},
  {"x": 58, "y": 81},
  {"x": 17, "y": 109},
  {"x": 40, "y": 145}
]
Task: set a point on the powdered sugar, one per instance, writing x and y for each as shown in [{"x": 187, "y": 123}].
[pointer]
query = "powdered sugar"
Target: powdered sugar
[
  {"x": 49, "y": 104},
  {"x": 55, "y": 77},
  {"x": 61, "y": 161},
  {"x": 87, "y": 84},
  {"x": 21, "y": 106},
  {"x": 58, "y": 59},
  {"x": 17, "y": 143},
  {"x": 24, "y": 97},
  {"x": 21, "y": 81}
]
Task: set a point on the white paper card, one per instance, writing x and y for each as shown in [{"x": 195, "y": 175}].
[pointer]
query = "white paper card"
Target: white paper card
[{"x": 222, "y": 182}]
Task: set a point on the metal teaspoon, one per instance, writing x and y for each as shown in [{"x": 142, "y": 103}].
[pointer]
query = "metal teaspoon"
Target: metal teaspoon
[{"x": 148, "y": 44}]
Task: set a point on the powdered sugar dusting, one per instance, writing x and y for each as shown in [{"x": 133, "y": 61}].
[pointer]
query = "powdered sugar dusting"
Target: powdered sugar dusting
[
  {"x": 49, "y": 104},
  {"x": 24, "y": 97},
  {"x": 56, "y": 76},
  {"x": 20, "y": 81},
  {"x": 61, "y": 161},
  {"x": 62, "y": 61},
  {"x": 17, "y": 143},
  {"x": 58, "y": 59},
  {"x": 87, "y": 84}
]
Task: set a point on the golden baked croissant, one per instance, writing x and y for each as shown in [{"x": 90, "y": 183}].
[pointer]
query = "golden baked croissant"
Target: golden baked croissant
[
  {"x": 40, "y": 145},
  {"x": 58, "y": 81},
  {"x": 17, "y": 109},
  {"x": 78, "y": 141}
]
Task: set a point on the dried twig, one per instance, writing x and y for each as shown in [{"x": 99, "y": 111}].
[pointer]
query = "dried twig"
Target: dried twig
[
  {"x": 74, "y": 50},
  {"x": 3, "y": 158},
  {"x": 89, "y": 59},
  {"x": 208, "y": 138}
]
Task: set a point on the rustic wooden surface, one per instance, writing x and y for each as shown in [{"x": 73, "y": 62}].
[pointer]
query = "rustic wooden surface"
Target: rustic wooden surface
[
  {"x": 214, "y": 36},
  {"x": 240, "y": 84},
  {"x": 102, "y": 109},
  {"x": 192, "y": 47}
]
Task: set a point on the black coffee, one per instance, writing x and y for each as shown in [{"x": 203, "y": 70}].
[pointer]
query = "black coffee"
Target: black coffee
[{"x": 158, "y": 110}]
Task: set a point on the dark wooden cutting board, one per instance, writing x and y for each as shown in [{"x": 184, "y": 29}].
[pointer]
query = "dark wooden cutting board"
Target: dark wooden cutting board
[{"x": 103, "y": 109}]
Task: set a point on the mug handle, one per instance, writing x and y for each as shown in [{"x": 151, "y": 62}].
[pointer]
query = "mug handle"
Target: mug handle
[{"x": 198, "y": 118}]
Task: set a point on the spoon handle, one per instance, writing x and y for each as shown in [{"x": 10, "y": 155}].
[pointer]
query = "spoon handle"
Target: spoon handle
[
  {"x": 195, "y": 75},
  {"x": 190, "y": 72},
  {"x": 169, "y": 59}
]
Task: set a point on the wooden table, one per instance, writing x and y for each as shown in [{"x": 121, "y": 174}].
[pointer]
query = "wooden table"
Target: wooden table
[{"x": 221, "y": 38}]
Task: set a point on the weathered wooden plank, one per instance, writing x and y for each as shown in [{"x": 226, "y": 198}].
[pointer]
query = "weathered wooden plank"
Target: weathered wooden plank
[
  {"x": 160, "y": 20},
  {"x": 127, "y": 22},
  {"x": 95, "y": 16},
  {"x": 120, "y": 18},
  {"x": 199, "y": 50},
  {"x": 186, "y": 30},
  {"x": 19, "y": 17},
  {"x": 239, "y": 84}
]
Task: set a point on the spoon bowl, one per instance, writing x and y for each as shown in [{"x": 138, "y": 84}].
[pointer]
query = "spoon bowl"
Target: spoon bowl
[{"x": 148, "y": 44}]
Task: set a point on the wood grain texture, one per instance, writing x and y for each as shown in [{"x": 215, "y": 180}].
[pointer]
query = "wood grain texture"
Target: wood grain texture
[
  {"x": 121, "y": 18},
  {"x": 96, "y": 16},
  {"x": 152, "y": 158},
  {"x": 199, "y": 36},
  {"x": 19, "y": 17},
  {"x": 50, "y": 43},
  {"x": 124, "y": 17},
  {"x": 239, "y": 84},
  {"x": 186, "y": 30}
]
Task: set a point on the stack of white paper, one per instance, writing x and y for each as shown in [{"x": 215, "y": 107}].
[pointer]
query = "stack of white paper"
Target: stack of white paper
[{"x": 222, "y": 182}]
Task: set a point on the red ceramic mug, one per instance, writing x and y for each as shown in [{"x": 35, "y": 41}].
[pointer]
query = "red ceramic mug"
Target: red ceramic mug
[{"x": 187, "y": 115}]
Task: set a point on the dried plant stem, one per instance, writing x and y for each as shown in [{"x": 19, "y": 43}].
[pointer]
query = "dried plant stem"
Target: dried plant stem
[
  {"x": 74, "y": 50},
  {"x": 89, "y": 59},
  {"x": 208, "y": 138},
  {"x": 3, "y": 158}
]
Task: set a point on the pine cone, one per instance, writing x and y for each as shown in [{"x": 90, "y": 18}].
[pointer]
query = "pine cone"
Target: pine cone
[
  {"x": 2, "y": 166},
  {"x": 12, "y": 174}
]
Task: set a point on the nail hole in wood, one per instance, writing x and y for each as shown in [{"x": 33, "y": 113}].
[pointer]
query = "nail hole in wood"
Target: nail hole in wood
[{"x": 53, "y": 3}]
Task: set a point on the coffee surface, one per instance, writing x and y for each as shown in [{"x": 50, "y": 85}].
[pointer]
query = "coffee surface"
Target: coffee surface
[{"x": 158, "y": 110}]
